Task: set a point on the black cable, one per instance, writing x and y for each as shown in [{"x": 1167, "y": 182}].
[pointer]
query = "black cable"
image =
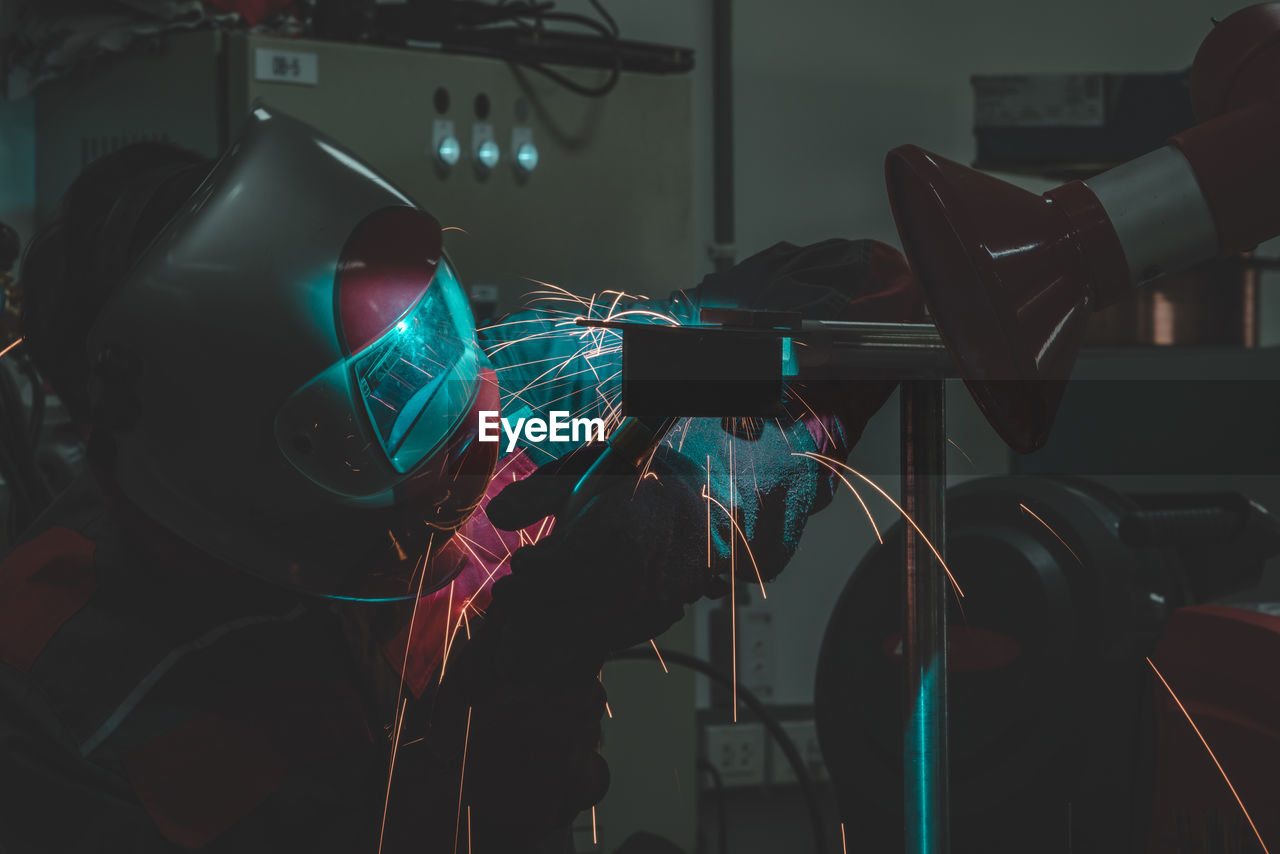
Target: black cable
[
  {"x": 770, "y": 723},
  {"x": 483, "y": 42},
  {"x": 605, "y": 16},
  {"x": 533, "y": 65},
  {"x": 722, "y": 808}
]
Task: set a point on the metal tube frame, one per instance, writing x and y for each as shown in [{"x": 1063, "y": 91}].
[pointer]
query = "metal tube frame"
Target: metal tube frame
[
  {"x": 914, "y": 354},
  {"x": 925, "y": 590}
]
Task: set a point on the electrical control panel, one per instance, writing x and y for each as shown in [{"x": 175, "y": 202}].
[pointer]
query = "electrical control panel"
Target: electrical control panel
[{"x": 533, "y": 182}]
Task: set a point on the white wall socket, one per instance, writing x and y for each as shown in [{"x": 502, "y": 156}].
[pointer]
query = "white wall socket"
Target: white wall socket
[{"x": 738, "y": 752}]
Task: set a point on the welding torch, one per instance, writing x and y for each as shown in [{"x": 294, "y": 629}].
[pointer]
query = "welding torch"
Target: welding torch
[{"x": 628, "y": 447}]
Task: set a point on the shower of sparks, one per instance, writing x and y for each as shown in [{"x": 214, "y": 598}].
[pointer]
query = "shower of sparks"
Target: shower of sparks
[
  {"x": 658, "y": 653},
  {"x": 558, "y": 312},
  {"x": 1051, "y": 531},
  {"x": 6, "y": 350},
  {"x": 828, "y": 461},
  {"x": 462, "y": 779},
  {"x": 952, "y": 443},
  {"x": 1221, "y": 771}
]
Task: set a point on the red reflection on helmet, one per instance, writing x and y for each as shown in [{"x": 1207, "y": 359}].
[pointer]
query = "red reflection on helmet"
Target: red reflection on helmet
[{"x": 387, "y": 265}]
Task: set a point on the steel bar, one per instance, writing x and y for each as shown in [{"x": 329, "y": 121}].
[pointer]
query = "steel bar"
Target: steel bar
[
  {"x": 925, "y": 592},
  {"x": 844, "y": 350}
]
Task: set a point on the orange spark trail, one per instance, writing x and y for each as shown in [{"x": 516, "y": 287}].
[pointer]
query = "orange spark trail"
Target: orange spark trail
[
  {"x": 408, "y": 643},
  {"x": 395, "y": 746},
  {"x": 656, "y": 652},
  {"x": 897, "y": 506},
  {"x": 595, "y": 837},
  {"x": 468, "y": 828},
  {"x": 1221, "y": 771},
  {"x": 844, "y": 846},
  {"x": 962, "y": 453},
  {"x": 738, "y": 528},
  {"x": 456, "y": 228},
  {"x": 11, "y": 346},
  {"x": 448, "y": 613},
  {"x": 733, "y": 589},
  {"x": 856, "y": 494},
  {"x": 1051, "y": 531},
  {"x": 462, "y": 778},
  {"x": 399, "y": 551}
]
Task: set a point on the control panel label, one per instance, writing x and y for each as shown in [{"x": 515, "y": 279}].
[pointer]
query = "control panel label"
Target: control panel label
[{"x": 286, "y": 66}]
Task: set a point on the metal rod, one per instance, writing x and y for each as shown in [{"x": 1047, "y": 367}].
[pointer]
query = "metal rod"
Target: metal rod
[
  {"x": 925, "y": 593},
  {"x": 838, "y": 349},
  {"x": 842, "y": 350}
]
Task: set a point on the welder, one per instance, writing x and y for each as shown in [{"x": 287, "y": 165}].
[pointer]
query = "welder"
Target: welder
[{"x": 267, "y": 621}]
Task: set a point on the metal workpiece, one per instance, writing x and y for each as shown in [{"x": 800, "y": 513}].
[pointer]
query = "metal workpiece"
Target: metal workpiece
[
  {"x": 924, "y": 627},
  {"x": 831, "y": 349}
]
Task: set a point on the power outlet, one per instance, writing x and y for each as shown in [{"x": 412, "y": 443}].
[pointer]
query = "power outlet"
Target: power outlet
[
  {"x": 805, "y": 736},
  {"x": 738, "y": 752}
]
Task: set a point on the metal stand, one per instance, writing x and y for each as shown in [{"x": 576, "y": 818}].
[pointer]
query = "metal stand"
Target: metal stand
[
  {"x": 925, "y": 591},
  {"x": 914, "y": 354}
]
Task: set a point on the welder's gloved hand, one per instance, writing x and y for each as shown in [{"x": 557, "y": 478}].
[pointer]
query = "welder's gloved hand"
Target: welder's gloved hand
[
  {"x": 617, "y": 575},
  {"x": 837, "y": 279}
]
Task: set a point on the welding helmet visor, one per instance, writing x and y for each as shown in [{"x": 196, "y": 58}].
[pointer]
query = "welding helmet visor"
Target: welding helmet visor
[{"x": 414, "y": 383}]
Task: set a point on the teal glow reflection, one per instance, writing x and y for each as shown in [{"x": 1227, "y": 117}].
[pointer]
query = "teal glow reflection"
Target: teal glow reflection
[{"x": 790, "y": 365}]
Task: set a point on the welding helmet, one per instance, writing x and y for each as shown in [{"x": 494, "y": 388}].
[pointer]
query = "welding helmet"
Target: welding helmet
[{"x": 288, "y": 375}]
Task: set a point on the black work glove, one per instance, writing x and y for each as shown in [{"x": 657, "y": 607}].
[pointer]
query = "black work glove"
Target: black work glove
[{"x": 617, "y": 575}]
